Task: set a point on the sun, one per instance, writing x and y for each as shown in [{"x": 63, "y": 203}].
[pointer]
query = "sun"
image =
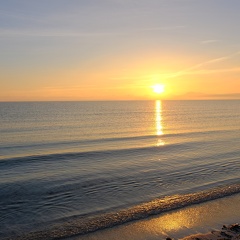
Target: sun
[{"x": 158, "y": 88}]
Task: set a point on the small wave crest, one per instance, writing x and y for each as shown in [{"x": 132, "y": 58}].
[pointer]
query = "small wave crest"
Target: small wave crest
[
  {"x": 83, "y": 225},
  {"x": 86, "y": 154}
]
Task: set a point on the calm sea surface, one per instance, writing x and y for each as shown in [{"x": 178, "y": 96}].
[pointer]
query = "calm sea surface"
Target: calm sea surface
[{"x": 64, "y": 161}]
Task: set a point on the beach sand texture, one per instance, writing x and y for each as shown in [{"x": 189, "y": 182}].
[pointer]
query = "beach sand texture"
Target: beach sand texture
[
  {"x": 199, "y": 221},
  {"x": 227, "y": 232}
]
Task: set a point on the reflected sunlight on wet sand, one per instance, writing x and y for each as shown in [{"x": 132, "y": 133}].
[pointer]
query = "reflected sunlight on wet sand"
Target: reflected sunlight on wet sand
[{"x": 200, "y": 218}]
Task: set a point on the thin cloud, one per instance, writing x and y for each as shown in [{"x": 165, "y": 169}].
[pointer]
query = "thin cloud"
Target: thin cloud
[
  {"x": 190, "y": 70},
  {"x": 200, "y": 95},
  {"x": 131, "y": 78},
  {"x": 193, "y": 70},
  {"x": 212, "y": 71},
  {"x": 65, "y": 33},
  {"x": 94, "y": 86},
  {"x": 20, "y": 16},
  {"x": 210, "y": 41},
  {"x": 227, "y": 95},
  {"x": 163, "y": 28},
  {"x": 52, "y": 33}
]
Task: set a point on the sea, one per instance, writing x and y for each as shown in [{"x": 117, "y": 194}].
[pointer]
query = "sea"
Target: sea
[{"x": 71, "y": 168}]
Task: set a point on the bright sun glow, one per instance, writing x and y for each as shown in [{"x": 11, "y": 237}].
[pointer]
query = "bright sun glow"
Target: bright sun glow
[{"x": 158, "y": 88}]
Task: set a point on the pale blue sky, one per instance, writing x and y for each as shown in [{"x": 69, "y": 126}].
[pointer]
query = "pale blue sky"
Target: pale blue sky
[{"x": 85, "y": 36}]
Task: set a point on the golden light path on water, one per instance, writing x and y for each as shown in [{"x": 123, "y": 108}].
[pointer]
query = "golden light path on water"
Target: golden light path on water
[{"x": 158, "y": 119}]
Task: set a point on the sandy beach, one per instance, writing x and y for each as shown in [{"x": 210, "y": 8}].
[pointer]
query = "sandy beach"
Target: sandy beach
[
  {"x": 201, "y": 221},
  {"x": 227, "y": 232}
]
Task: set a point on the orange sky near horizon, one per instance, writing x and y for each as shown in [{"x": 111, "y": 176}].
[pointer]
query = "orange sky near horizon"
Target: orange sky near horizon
[{"x": 119, "y": 50}]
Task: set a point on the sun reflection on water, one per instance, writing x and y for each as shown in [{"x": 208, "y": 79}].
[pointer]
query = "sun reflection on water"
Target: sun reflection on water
[
  {"x": 158, "y": 111},
  {"x": 159, "y": 126}
]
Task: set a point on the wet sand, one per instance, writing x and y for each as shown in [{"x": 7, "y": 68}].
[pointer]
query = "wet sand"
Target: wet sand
[
  {"x": 227, "y": 232},
  {"x": 193, "y": 221}
]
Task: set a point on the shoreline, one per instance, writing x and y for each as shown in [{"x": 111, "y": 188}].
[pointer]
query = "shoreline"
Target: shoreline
[{"x": 187, "y": 223}]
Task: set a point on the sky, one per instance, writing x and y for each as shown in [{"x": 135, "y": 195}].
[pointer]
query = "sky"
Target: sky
[{"x": 70, "y": 50}]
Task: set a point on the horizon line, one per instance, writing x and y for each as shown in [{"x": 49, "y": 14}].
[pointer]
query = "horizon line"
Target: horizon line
[{"x": 122, "y": 100}]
